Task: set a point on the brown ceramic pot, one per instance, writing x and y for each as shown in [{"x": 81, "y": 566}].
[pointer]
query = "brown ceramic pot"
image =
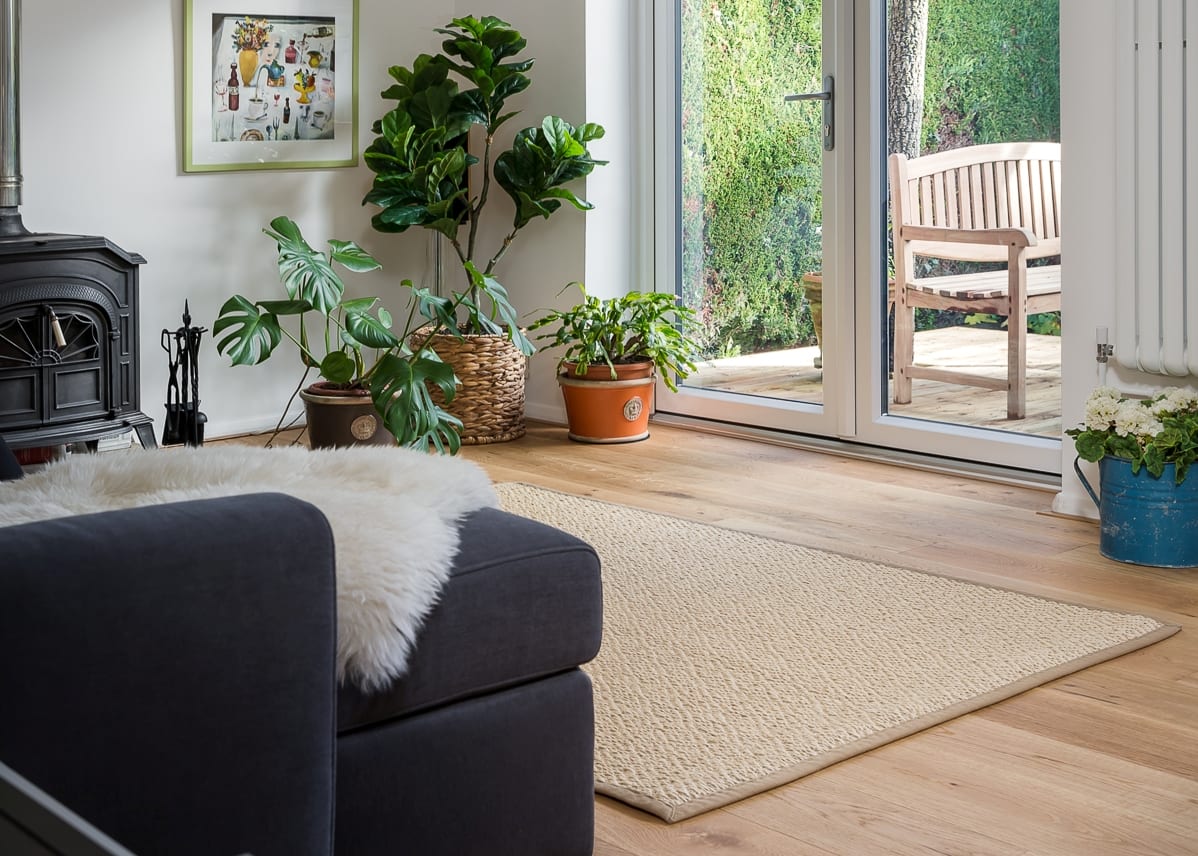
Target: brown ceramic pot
[{"x": 342, "y": 417}]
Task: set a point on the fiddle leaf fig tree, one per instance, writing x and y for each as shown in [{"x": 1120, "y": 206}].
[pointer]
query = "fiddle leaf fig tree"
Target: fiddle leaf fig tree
[{"x": 424, "y": 150}]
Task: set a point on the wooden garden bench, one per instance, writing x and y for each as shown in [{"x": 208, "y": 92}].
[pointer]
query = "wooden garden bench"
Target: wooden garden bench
[{"x": 992, "y": 203}]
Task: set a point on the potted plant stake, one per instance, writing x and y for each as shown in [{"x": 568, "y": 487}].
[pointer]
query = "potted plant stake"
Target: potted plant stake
[
  {"x": 615, "y": 349},
  {"x": 422, "y": 158}
]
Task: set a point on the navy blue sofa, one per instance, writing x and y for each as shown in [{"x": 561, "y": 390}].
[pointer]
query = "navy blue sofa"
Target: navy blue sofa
[{"x": 168, "y": 674}]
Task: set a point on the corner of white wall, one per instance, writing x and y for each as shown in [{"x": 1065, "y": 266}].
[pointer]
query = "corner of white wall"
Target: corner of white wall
[
  {"x": 1087, "y": 238},
  {"x": 1088, "y": 283}
]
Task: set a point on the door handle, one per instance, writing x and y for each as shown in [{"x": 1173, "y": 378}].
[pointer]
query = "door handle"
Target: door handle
[{"x": 829, "y": 114}]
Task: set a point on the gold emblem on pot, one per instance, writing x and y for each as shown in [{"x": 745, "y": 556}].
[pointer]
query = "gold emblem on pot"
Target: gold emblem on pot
[
  {"x": 364, "y": 427},
  {"x": 633, "y": 408}
]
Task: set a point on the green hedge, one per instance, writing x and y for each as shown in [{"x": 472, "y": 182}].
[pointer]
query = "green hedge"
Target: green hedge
[
  {"x": 993, "y": 72},
  {"x": 751, "y": 169}
]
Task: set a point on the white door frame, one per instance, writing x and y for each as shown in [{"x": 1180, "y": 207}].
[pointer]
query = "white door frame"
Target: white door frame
[{"x": 855, "y": 384}]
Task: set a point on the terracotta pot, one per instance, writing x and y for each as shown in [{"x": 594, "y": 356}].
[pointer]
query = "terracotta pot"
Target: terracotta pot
[
  {"x": 342, "y": 417},
  {"x": 603, "y": 410}
]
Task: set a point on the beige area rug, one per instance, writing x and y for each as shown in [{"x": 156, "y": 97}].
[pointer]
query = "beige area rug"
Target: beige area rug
[{"x": 733, "y": 663}]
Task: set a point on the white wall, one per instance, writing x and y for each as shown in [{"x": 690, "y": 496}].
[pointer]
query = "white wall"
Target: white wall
[
  {"x": 548, "y": 253},
  {"x": 101, "y": 155},
  {"x": 1088, "y": 290}
]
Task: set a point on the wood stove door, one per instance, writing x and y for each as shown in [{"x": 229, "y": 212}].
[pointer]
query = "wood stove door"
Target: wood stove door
[{"x": 53, "y": 365}]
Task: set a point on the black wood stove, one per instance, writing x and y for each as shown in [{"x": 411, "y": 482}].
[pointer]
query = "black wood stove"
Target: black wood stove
[
  {"x": 68, "y": 309},
  {"x": 68, "y": 341}
]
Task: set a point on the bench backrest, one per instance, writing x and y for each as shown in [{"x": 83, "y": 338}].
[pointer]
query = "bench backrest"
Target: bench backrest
[{"x": 997, "y": 185}]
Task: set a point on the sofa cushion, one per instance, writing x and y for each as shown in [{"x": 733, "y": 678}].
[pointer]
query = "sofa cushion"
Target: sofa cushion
[{"x": 523, "y": 600}]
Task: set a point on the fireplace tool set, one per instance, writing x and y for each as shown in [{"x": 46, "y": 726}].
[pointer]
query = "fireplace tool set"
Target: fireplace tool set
[{"x": 184, "y": 421}]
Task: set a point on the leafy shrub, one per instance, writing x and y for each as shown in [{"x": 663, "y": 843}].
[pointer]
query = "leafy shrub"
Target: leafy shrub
[
  {"x": 993, "y": 72},
  {"x": 751, "y": 171}
]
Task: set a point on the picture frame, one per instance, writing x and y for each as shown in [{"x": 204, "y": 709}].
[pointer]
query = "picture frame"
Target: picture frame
[{"x": 270, "y": 84}]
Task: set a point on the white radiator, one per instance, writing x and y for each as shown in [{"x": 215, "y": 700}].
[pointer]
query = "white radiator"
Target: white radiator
[{"x": 1156, "y": 212}]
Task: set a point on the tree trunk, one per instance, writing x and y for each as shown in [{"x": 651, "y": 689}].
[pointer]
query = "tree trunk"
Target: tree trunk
[{"x": 906, "y": 52}]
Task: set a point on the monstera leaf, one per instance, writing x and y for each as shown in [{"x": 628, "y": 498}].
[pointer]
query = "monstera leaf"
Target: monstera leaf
[
  {"x": 308, "y": 274},
  {"x": 253, "y": 334},
  {"x": 400, "y": 391}
]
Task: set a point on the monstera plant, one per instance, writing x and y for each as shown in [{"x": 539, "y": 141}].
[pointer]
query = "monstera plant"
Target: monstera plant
[
  {"x": 436, "y": 159},
  {"x": 350, "y": 342}
]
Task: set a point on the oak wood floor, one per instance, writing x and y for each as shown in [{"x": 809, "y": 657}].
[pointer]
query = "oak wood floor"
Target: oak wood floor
[{"x": 1101, "y": 762}]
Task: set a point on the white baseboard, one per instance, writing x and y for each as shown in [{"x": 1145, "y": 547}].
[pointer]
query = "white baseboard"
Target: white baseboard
[
  {"x": 1074, "y": 505},
  {"x": 217, "y": 428},
  {"x": 554, "y": 414}
]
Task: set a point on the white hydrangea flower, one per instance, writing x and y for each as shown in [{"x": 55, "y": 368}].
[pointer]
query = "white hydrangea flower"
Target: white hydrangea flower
[
  {"x": 1101, "y": 408},
  {"x": 1101, "y": 392},
  {"x": 1176, "y": 400},
  {"x": 1134, "y": 419}
]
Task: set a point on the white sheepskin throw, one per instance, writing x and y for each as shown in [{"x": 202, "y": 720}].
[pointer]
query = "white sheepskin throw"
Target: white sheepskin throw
[{"x": 393, "y": 511}]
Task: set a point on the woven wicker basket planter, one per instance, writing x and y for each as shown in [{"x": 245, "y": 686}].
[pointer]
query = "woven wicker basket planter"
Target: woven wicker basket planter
[{"x": 490, "y": 399}]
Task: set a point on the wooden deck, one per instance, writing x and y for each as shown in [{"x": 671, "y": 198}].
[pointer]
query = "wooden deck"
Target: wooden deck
[{"x": 791, "y": 375}]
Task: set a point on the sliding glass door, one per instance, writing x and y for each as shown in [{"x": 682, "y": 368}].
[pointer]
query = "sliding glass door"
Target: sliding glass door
[
  {"x": 773, "y": 215},
  {"x": 753, "y": 154}
]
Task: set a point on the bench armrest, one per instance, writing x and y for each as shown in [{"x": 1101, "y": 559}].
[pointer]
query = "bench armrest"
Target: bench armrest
[{"x": 1015, "y": 235}]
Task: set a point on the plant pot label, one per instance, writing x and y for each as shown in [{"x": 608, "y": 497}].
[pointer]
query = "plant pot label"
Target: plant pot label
[
  {"x": 364, "y": 427},
  {"x": 633, "y": 408}
]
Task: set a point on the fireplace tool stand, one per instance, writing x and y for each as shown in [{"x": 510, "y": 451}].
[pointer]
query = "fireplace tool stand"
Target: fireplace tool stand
[{"x": 184, "y": 421}]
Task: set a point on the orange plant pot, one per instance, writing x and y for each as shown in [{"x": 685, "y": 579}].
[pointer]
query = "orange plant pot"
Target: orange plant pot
[{"x": 602, "y": 410}]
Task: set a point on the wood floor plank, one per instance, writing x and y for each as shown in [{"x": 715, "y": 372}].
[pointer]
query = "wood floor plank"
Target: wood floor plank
[
  {"x": 714, "y": 832},
  {"x": 1144, "y": 737},
  {"x": 835, "y": 813},
  {"x": 1002, "y": 783}
]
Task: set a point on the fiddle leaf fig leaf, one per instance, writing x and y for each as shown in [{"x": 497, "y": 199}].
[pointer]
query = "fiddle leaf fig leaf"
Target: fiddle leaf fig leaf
[
  {"x": 588, "y": 131},
  {"x": 539, "y": 162},
  {"x": 424, "y": 156}
]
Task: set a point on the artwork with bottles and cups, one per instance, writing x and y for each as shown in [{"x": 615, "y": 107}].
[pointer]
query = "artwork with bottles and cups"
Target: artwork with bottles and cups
[{"x": 271, "y": 86}]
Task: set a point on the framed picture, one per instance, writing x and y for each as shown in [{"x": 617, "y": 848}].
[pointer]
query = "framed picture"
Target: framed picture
[{"x": 270, "y": 84}]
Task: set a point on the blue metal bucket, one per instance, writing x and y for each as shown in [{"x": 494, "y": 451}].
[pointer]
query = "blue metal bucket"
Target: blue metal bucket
[{"x": 1146, "y": 520}]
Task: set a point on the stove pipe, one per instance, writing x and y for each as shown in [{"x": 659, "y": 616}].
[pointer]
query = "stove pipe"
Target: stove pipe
[{"x": 10, "y": 132}]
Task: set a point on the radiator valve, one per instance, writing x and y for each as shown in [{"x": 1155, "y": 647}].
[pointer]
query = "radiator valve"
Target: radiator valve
[{"x": 1105, "y": 351}]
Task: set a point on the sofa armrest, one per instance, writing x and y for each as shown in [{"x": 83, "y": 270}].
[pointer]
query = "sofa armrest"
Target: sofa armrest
[{"x": 168, "y": 673}]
